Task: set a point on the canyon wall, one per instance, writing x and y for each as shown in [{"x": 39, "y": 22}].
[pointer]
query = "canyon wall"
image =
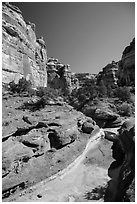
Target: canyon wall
[
  {"x": 121, "y": 187},
  {"x": 126, "y": 72},
  {"x": 109, "y": 75},
  {"x": 23, "y": 55},
  {"x": 122, "y": 72}
]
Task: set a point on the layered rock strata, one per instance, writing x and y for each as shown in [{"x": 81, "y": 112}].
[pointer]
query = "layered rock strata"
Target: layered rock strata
[
  {"x": 126, "y": 73},
  {"x": 60, "y": 76},
  {"x": 23, "y": 55},
  {"x": 109, "y": 75},
  {"x": 37, "y": 144}
]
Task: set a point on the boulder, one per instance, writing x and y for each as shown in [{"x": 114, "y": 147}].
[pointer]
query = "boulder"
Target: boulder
[
  {"x": 113, "y": 124},
  {"x": 122, "y": 170},
  {"x": 87, "y": 127},
  {"x": 101, "y": 114}
]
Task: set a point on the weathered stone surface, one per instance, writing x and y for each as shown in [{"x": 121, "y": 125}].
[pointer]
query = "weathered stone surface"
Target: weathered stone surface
[
  {"x": 37, "y": 139},
  {"x": 87, "y": 127},
  {"x": 109, "y": 75},
  {"x": 23, "y": 55},
  {"x": 126, "y": 73},
  {"x": 38, "y": 144},
  {"x": 102, "y": 114},
  {"x": 60, "y": 76},
  {"x": 122, "y": 171},
  {"x": 85, "y": 78}
]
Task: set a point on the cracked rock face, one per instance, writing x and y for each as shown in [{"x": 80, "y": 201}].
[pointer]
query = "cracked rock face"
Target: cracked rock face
[
  {"x": 122, "y": 170},
  {"x": 126, "y": 73},
  {"x": 60, "y": 76},
  {"x": 38, "y": 144},
  {"x": 23, "y": 55},
  {"x": 109, "y": 75}
]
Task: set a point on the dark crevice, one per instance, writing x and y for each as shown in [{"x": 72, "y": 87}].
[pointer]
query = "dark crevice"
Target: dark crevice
[
  {"x": 24, "y": 131},
  {"x": 28, "y": 144},
  {"x": 7, "y": 192},
  {"x": 54, "y": 124},
  {"x": 4, "y": 175},
  {"x": 121, "y": 172}
]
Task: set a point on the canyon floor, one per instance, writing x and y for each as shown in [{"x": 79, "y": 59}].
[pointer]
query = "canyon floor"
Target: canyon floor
[
  {"x": 26, "y": 166},
  {"x": 85, "y": 181}
]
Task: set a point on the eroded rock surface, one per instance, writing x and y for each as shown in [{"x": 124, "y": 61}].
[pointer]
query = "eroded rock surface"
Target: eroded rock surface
[
  {"x": 122, "y": 170},
  {"x": 109, "y": 75},
  {"x": 102, "y": 113},
  {"x": 60, "y": 76},
  {"x": 126, "y": 73},
  {"x": 23, "y": 55},
  {"x": 85, "y": 78},
  {"x": 38, "y": 144}
]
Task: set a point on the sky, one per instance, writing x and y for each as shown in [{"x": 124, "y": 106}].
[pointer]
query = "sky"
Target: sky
[{"x": 85, "y": 35}]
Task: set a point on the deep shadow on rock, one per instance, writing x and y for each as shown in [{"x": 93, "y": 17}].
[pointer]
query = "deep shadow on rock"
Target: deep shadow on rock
[{"x": 122, "y": 171}]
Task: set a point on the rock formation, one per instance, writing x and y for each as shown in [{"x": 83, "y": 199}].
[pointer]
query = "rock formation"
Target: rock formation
[
  {"x": 23, "y": 54},
  {"x": 60, "y": 76},
  {"x": 39, "y": 143},
  {"x": 109, "y": 75},
  {"x": 126, "y": 73},
  {"x": 102, "y": 113},
  {"x": 85, "y": 78},
  {"x": 122, "y": 170},
  {"x": 34, "y": 141}
]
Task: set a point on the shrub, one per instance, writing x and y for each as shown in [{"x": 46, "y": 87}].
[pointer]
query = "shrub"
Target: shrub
[
  {"x": 22, "y": 86},
  {"x": 123, "y": 93},
  {"x": 124, "y": 109},
  {"x": 102, "y": 89},
  {"x": 47, "y": 92}
]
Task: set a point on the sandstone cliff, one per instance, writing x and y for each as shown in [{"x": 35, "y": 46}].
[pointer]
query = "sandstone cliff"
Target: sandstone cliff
[
  {"x": 60, "y": 76},
  {"x": 109, "y": 75},
  {"x": 126, "y": 73},
  {"x": 23, "y": 54}
]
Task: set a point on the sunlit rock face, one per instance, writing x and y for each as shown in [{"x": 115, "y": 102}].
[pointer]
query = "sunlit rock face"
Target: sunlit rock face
[
  {"x": 23, "y": 55},
  {"x": 126, "y": 73},
  {"x": 109, "y": 75},
  {"x": 60, "y": 76}
]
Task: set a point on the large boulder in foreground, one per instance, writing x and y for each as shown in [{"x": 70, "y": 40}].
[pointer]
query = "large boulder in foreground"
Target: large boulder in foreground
[{"x": 121, "y": 187}]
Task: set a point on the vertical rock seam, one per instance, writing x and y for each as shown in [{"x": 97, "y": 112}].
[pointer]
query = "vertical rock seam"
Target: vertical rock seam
[{"x": 23, "y": 54}]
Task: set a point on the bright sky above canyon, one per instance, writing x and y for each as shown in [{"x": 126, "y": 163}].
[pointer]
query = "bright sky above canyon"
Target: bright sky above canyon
[{"x": 87, "y": 35}]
